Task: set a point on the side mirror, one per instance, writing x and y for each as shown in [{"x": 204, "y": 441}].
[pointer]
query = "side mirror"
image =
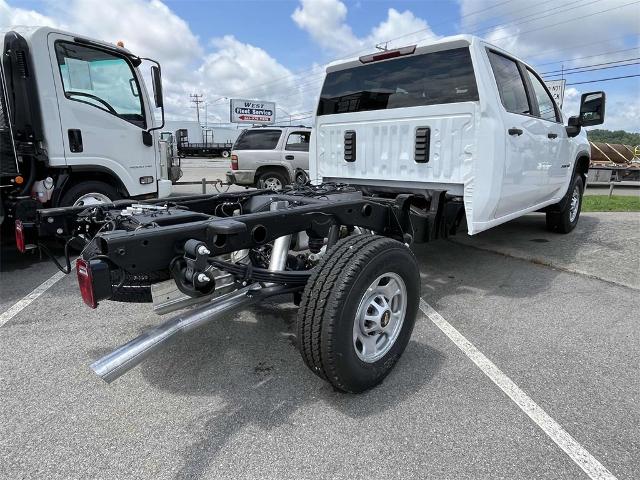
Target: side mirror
[
  {"x": 157, "y": 86},
  {"x": 592, "y": 109}
]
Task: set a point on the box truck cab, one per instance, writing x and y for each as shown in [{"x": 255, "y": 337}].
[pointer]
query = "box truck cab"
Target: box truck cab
[
  {"x": 458, "y": 115},
  {"x": 77, "y": 124}
]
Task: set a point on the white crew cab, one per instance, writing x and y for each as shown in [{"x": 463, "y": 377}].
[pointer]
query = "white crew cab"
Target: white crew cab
[
  {"x": 457, "y": 115},
  {"x": 270, "y": 156}
]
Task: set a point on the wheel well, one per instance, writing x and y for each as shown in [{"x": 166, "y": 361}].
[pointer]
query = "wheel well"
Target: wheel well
[
  {"x": 273, "y": 168},
  {"x": 76, "y": 177},
  {"x": 582, "y": 167}
]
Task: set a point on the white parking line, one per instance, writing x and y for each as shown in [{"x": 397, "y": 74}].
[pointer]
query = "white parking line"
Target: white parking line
[
  {"x": 553, "y": 429},
  {"x": 24, "y": 302}
]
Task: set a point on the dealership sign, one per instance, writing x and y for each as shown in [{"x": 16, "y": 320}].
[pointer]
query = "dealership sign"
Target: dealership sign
[
  {"x": 556, "y": 87},
  {"x": 252, "y": 111}
]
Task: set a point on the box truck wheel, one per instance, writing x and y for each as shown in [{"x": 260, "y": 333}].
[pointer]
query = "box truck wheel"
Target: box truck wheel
[
  {"x": 89, "y": 193},
  {"x": 225, "y": 153},
  {"x": 357, "y": 311},
  {"x": 566, "y": 219}
]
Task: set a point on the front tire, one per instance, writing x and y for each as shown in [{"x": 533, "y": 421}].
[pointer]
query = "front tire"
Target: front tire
[
  {"x": 358, "y": 310},
  {"x": 565, "y": 220},
  {"x": 89, "y": 193}
]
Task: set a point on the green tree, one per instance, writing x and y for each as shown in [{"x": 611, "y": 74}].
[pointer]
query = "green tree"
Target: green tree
[{"x": 613, "y": 136}]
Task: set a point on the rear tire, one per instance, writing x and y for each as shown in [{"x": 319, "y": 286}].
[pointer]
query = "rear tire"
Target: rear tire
[
  {"x": 347, "y": 289},
  {"x": 225, "y": 154},
  {"x": 565, "y": 220},
  {"x": 272, "y": 180},
  {"x": 89, "y": 193}
]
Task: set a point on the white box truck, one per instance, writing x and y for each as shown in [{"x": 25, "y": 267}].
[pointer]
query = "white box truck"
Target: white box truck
[{"x": 77, "y": 125}]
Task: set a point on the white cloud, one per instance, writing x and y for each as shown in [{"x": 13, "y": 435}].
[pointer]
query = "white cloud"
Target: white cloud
[
  {"x": 559, "y": 31},
  {"x": 325, "y": 21},
  {"x": 225, "y": 67},
  {"x": 11, "y": 16}
]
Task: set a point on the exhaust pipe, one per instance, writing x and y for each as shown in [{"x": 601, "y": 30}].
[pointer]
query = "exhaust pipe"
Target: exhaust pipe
[{"x": 124, "y": 358}]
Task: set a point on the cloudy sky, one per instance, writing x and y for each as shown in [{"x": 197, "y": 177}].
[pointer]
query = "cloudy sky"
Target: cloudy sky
[{"x": 276, "y": 50}]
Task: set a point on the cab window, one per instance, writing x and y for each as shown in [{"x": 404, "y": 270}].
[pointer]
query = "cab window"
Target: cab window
[
  {"x": 257, "y": 139},
  {"x": 298, "y": 141},
  {"x": 546, "y": 105},
  {"x": 513, "y": 93},
  {"x": 100, "y": 79}
]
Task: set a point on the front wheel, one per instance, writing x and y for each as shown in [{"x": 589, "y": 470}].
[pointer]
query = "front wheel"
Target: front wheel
[
  {"x": 225, "y": 154},
  {"x": 89, "y": 193},
  {"x": 565, "y": 220},
  {"x": 358, "y": 310}
]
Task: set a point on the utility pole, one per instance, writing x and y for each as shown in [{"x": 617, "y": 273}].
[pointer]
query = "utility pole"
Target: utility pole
[{"x": 196, "y": 99}]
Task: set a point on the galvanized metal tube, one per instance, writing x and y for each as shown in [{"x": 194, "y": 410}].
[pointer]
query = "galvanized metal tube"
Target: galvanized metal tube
[
  {"x": 124, "y": 358},
  {"x": 280, "y": 250}
]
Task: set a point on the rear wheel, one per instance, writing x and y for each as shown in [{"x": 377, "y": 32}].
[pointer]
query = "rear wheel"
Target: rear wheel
[
  {"x": 565, "y": 220},
  {"x": 89, "y": 193},
  {"x": 225, "y": 154},
  {"x": 272, "y": 180},
  {"x": 358, "y": 310}
]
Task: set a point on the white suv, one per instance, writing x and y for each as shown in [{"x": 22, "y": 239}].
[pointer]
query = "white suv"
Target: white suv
[{"x": 267, "y": 157}]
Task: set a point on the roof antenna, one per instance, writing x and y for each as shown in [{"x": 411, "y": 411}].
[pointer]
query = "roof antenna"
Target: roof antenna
[{"x": 384, "y": 47}]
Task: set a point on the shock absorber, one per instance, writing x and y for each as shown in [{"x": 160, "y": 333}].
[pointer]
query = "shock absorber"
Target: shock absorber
[{"x": 315, "y": 244}]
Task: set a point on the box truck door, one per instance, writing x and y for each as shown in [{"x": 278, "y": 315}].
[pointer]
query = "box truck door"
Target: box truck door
[{"x": 103, "y": 112}]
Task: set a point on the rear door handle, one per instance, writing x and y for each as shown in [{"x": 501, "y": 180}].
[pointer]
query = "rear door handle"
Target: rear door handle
[
  {"x": 289, "y": 157},
  {"x": 514, "y": 131},
  {"x": 552, "y": 135}
]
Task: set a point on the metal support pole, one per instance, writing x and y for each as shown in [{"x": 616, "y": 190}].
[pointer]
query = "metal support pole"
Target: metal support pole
[
  {"x": 610, "y": 189},
  {"x": 204, "y": 185},
  {"x": 280, "y": 250}
]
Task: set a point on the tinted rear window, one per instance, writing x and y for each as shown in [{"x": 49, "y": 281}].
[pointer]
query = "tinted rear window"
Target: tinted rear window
[
  {"x": 417, "y": 80},
  {"x": 257, "y": 140}
]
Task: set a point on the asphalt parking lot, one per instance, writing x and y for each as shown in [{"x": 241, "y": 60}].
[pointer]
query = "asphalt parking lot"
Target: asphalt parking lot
[{"x": 234, "y": 399}]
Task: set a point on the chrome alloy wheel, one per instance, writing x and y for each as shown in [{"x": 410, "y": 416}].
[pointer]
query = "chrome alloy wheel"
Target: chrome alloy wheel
[
  {"x": 272, "y": 183},
  {"x": 91, "y": 199},
  {"x": 379, "y": 317},
  {"x": 574, "y": 207}
]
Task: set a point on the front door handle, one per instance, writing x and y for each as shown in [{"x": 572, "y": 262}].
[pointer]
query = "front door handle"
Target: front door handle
[
  {"x": 552, "y": 135},
  {"x": 515, "y": 131},
  {"x": 75, "y": 140},
  {"x": 289, "y": 157}
]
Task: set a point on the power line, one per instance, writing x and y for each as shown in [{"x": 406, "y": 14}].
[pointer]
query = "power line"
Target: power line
[
  {"x": 603, "y": 79},
  {"x": 588, "y": 56},
  {"x": 557, "y": 75},
  {"x": 592, "y": 65}
]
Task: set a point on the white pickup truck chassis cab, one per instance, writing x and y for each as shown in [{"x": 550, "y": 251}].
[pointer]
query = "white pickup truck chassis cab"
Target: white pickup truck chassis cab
[
  {"x": 458, "y": 115},
  {"x": 407, "y": 144}
]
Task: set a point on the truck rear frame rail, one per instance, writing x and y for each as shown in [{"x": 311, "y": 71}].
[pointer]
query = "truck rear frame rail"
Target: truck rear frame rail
[{"x": 222, "y": 253}]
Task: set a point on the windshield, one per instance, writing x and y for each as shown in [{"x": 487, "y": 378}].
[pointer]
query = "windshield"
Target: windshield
[
  {"x": 101, "y": 79},
  {"x": 417, "y": 80}
]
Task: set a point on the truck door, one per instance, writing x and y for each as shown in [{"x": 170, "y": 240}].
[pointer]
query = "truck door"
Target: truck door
[
  {"x": 296, "y": 149},
  {"x": 524, "y": 179},
  {"x": 103, "y": 112},
  {"x": 556, "y": 161}
]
